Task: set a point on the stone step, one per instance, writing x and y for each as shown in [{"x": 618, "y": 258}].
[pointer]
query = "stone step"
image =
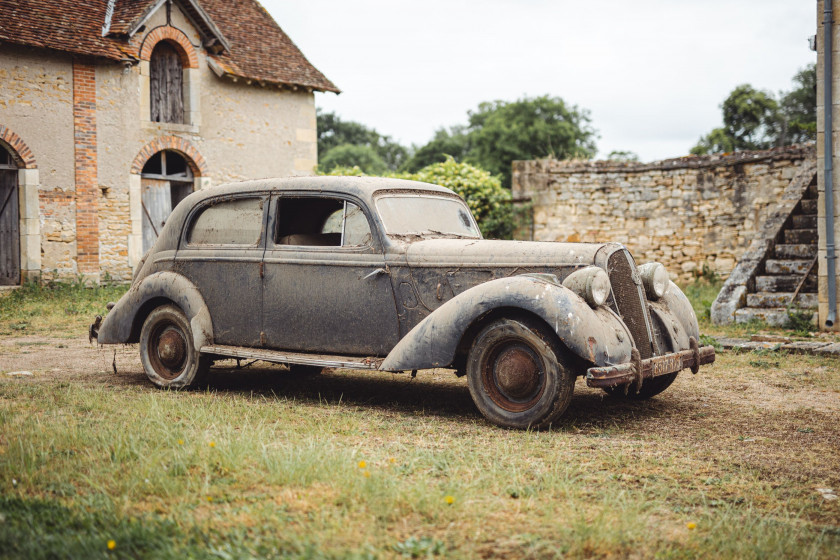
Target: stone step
[
  {"x": 775, "y": 317},
  {"x": 784, "y": 283},
  {"x": 781, "y": 299},
  {"x": 812, "y": 191},
  {"x": 809, "y": 206},
  {"x": 805, "y": 221},
  {"x": 795, "y": 251},
  {"x": 789, "y": 266},
  {"x": 801, "y": 236}
]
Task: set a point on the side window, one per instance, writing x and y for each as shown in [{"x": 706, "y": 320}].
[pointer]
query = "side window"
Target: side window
[
  {"x": 233, "y": 222},
  {"x": 321, "y": 222}
]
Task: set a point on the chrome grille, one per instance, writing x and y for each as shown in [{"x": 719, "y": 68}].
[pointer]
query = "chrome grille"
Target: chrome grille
[{"x": 629, "y": 300}]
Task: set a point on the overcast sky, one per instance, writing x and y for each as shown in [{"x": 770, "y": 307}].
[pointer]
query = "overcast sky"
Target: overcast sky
[{"x": 651, "y": 72}]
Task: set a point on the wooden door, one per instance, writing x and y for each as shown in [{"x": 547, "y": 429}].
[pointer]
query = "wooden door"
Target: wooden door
[
  {"x": 9, "y": 228},
  {"x": 156, "y": 199}
]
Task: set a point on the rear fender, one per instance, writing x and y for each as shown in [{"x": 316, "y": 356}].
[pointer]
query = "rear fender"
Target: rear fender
[
  {"x": 595, "y": 335},
  {"x": 118, "y": 326}
]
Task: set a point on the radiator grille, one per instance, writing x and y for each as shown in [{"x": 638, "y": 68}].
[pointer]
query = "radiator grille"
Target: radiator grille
[{"x": 629, "y": 300}]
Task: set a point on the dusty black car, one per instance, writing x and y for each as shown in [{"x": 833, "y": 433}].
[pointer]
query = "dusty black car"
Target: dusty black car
[{"x": 394, "y": 275}]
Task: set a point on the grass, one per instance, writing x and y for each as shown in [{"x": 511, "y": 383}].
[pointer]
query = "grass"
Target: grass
[
  {"x": 260, "y": 463},
  {"x": 37, "y": 308}
]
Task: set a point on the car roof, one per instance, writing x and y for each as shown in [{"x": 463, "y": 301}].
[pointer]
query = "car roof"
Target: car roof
[{"x": 362, "y": 187}]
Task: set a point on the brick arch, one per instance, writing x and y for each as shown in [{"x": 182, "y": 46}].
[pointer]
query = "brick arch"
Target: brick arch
[
  {"x": 175, "y": 37},
  {"x": 194, "y": 159},
  {"x": 17, "y": 147}
]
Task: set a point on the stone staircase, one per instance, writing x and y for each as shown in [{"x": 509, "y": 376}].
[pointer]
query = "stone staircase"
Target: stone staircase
[{"x": 789, "y": 270}]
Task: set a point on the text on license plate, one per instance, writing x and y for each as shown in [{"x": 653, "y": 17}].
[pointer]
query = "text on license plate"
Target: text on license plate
[{"x": 667, "y": 364}]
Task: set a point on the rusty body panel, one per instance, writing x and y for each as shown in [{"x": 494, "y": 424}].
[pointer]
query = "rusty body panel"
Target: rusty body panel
[{"x": 307, "y": 271}]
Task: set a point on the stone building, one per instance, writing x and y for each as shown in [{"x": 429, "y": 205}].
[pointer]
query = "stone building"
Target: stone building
[{"x": 111, "y": 111}]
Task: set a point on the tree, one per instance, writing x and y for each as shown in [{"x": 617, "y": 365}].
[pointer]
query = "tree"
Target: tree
[
  {"x": 529, "y": 128},
  {"x": 453, "y": 142},
  {"x": 754, "y": 120},
  {"x": 623, "y": 156},
  {"x": 799, "y": 107},
  {"x": 334, "y": 132},
  {"x": 349, "y": 155}
]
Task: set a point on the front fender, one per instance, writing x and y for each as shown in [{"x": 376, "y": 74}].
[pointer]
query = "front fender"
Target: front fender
[
  {"x": 596, "y": 335},
  {"x": 676, "y": 318},
  {"x": 117, "y": 326}
]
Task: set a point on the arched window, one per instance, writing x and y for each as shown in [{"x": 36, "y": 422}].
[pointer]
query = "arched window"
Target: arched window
[
  {"x": 166, "y": 84},
  {"x": 166, "y": 180},
  {"x": 9, "y": 221}
]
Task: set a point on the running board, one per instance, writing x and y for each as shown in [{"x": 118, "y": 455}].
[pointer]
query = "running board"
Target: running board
[{"x": 322, "y": 360}]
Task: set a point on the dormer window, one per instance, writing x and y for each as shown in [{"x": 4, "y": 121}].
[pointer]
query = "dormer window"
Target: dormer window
[{"x": 166, "y": 84}]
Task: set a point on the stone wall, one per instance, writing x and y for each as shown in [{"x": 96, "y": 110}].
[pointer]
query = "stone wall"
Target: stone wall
[{"x": 688, "y": 213}]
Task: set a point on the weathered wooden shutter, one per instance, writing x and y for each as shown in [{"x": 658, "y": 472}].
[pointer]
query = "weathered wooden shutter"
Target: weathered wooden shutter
[
  {"x": 9, "y": 228},
  {"x": 166, "y": 84}
]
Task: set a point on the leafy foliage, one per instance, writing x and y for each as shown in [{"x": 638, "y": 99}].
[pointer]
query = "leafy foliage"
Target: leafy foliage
[
  {"x": 454, "y": 142},
  {"x": 348, "y": 155},
  {"x": 623, "y": 155},
  {"x": 755, "y": 120},
  {"x": 529, "y": 128},
  {"x": 333, "y": 132},
  {"x": 488, "y": 201}
]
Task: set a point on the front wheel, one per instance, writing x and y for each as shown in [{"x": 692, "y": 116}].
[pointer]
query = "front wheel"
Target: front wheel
[
  {"x": 517, "y": 376},
  {"x": 167, "y": 350}
]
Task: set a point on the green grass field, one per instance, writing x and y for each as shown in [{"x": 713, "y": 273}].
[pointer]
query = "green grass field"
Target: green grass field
[{"x": 259, "y": 463}]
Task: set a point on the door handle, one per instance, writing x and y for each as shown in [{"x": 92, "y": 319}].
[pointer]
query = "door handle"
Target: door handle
[{"x": 376, "y": 272}]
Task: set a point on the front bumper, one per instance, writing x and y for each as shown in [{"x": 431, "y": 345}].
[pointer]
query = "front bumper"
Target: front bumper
[{"x": 638, "y": 370}]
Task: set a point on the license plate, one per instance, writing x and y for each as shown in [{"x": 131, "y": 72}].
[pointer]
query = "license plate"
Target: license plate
[{"x": 667, "y": 364}]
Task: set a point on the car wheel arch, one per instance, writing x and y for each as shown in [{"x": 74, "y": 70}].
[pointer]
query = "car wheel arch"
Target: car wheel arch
[{"x": 513, "y": 313}]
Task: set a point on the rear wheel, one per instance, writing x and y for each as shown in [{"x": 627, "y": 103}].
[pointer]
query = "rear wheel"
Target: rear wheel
[
  {"x": 517, "y": 377},
  {"x": 650, "y": 388},
  {"x": 167, "y": 351}
]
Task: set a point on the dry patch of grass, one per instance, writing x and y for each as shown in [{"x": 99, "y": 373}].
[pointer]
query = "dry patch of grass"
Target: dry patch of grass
[{"x": 736, "y": 452}]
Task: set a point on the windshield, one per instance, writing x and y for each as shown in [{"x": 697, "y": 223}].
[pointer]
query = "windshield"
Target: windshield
[{"x": 422, "y": 215}]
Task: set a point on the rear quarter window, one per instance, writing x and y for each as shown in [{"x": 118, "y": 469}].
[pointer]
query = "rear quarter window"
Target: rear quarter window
[{"x": 232, "y": 222}]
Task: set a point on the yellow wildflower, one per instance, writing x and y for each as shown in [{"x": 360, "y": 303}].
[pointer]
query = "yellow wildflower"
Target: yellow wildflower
[
  {"x": 691, "y": 525},
  {"x": 180, "y": 442},
  {"x": 367, "y": 474},
  {"x": 362, "y": 464},
  {"x": 112, "y": 544},
  {"x": 449, "y": 500},
  {"x": 212, "y": 444}
]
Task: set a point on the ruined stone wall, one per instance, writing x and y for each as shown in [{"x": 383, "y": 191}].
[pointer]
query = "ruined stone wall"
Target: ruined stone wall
[{"x": 686, "y": 213}]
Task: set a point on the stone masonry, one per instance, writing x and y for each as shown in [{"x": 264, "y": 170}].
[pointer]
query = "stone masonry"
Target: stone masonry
[{"x": 690, "y": 213}]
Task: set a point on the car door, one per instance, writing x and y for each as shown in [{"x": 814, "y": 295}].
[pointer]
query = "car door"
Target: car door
[
  {"x": 326, "y": 287},
  {"x": 221, "y": 252}
]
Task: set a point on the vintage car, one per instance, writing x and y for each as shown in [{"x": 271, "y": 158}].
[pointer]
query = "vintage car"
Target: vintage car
[{"x": 393, "y": 275}]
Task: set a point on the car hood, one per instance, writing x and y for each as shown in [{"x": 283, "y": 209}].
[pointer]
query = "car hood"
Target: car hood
[{"x": 498, "y": 253}]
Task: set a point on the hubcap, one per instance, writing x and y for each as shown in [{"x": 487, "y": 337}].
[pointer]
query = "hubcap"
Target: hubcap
[
  {"x": 517, "y": 373},
  {"x": 172, "y": 349}
]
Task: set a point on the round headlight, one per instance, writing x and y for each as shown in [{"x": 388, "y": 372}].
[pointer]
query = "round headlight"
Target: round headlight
[
  {"x": 655, "y": 279},
  {"x": 591, "y": 283}
]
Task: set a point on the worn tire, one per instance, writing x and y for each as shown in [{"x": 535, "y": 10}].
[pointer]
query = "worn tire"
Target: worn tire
[
  {"x": 167, "y": 350},
  {"x": 517, "y": 375},
  {"x": 650, "y": 388},
  {"x": 301, "y": 370}
]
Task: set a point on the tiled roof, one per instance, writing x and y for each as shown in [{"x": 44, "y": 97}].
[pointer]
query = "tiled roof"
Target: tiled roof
[
  {"x": 63, "y": 25},
  {"x": 259, "y": 49},
  {"x": 273, "y": 58}
]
